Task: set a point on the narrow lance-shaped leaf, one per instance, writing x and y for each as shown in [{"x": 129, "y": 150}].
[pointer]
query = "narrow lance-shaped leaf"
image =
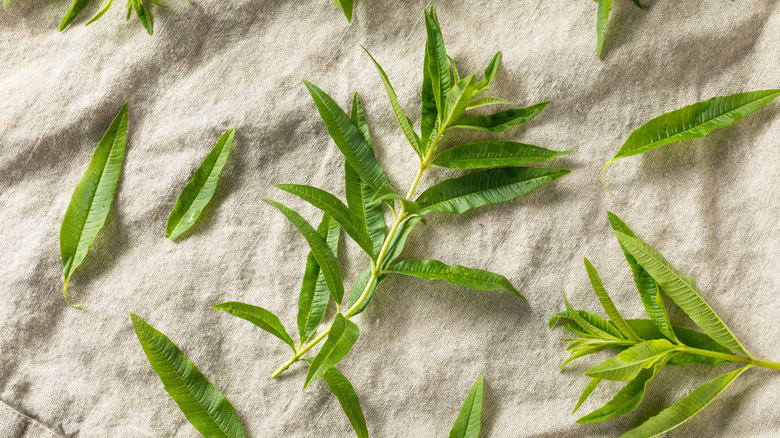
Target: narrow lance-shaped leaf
[
  {"x": 469, "y": 421},
  {"x": 500, "y": 121},
  {"x": 692, "y": 121},
  {"x": 314, "y": 295},
  {"x": 682, "y": 290},
  {"x": 259, "y": 317},
  {"x": 492, "y": 186},
  {"x": 348, "y": 399},
  {"x": 494, "y": 153},
  {"x": 92, "y": 198},
  {"x": 438, "y": 64},
  {"x": 73, "y": 12},
  {"x": 359, "y": 288},
  {"x": 346, "y": 6},
  {"x": 458, "y": 99},
  {"x": 599, "y": 330},
  {"x": 646, "y": 329},
  {"x": 428, "y": 111},
  {"x": 319, "y": 248},
  {"x": 143, "y": 15},
  {"x": 455, "y": 274},
  {"x": 628, "y": 364},
  {"x": 686, "y": 408},
  {"x": 485, "y": 101},
  {"x": 204, "y": 405},
  {"x": 358, "y": 117},
  {"x": 103, "y": 9},
  {"x": 590, "y": 318},
  {"x": 606, "y": 301},
  {"x": 199, "y": 190},
  {"x": 342, "y": 337},
  {"x": 601, "y": 24},
  {"x": 490, "y": 72},
  {"x": 594, "y": 382}
]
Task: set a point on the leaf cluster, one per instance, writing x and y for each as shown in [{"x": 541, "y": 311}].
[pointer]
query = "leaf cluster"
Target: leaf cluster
[{"x": 647, "y": 345}]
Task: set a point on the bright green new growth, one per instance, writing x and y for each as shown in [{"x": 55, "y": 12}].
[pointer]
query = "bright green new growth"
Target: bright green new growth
[
  {"x": 92, "y": 198},
  {"x": 203, "y": 405},
  {"x": 646, "y": 345},
  {"x": 446, "y": 100},
  {"x": 199, "y": 190},
  {"x": 692, "y": 121},
  {"x": 132, "y": 5}
]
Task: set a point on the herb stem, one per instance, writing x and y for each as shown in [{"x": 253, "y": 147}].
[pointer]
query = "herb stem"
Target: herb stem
[{"x": 730, "y": 357}]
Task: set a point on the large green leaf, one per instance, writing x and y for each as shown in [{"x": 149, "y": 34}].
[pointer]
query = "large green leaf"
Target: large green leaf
[
  {"x": 92, "y": 198},
  {"x": 348, "y": 138},
  {"x": 693, "y": 121},
  {"x": 606, "y": 301},
  {"x": 259, "y": 317},
  {"x": 438, "y": 64},
  {"x": 686, "y": 408},
  {"x": 455, "y": 274},
  {"x": 682, "y": 290},
  {"x": 646, "y": 329},
  {"x": 348, "y": 399},
  {"x": 403, "y": 121},
  {"x": 342, "y": 337},
  {"x": 458, "y": 99},
  {"x": 353, "y": 225},
  {"x": 487, "y": 187},
  {"x": 314, "y": 295},
  {"x": 199, "y": 190},
  {"x": 469, "y": 421},
  {"x": 203, "y": 405},
  {"x": 601, "y": 24},
  {"x": 628, "y": 364},
  {"x": 494, "y": 153},
  {"x": 323, "y": 254},
  {"x": 500, "y": 121}
]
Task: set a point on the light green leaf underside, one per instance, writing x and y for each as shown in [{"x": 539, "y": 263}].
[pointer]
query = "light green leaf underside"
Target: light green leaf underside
[
  {"x": 259, "y": 317},
  {"x": 628, "y": 364},
  {"x": 646, "y": 329},
  {"x": 494, "y": 153},
  {"x": 455, "y": 274},
  {"x": 199, "y": 190},
  {"x": 469, "y": 421},
  {"x": 487, "y": 187},
  {"x": 590, "y": 318},
  {"x": 500, "y": 121},
  {"x": 606, "y": 302},
  {"x": 485, "y": 101},
  {"x": 341, "y": 338},
  {"x": 686, "y": 408},
  {"x": 204, "y": 405},
  {"x": 92, "y": 198}
]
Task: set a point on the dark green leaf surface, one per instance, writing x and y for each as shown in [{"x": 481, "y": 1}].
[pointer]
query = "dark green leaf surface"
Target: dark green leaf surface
[
  {"x": 203, "y": 405},
  {"x": 358, "y": 117},
  {"x": 490, "y": 72},
  {"x": 399, "y": 240},
  {"x": 438, "y": 64},
  {"x": 259, "y": 317},
  {"x": 73, "y": 12},
  {"x": 199, "y": 190},
  {"x": 341, "y": 338},
  {"x": 143, "y": 15},
  {"x": 628, "y": 364},
  {"x": 455, "y": 274},
  {"x": 428, "y": 111},
  {"x": 500, "y": 121},
  {"x": 487, "y": 187},
  {"x": 469, "y": 421},
  {"x": 494, "y": 153},
  {"x": 458, "y": 99},
  {"x": 346, "y": 6},
  {"x": 92, "y": 198},
  {"x": 388, "y": 193},
  {"x": 360, "y": 200}
]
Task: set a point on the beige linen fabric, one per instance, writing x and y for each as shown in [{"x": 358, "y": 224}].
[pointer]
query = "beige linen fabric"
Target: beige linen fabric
[{"x": 709, "y": 205}]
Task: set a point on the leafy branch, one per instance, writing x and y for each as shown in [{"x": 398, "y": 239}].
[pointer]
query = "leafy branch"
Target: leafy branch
[{"x": 647, "y": 345}]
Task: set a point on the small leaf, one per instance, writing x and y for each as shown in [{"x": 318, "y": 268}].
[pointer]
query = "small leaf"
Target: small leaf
[
  {"x": 103, "y": 9},
  {"x": 628, "y": 364},
  {"x": 346, "y": 6},
  {"x": 686, "y": 408},
  {"x": 591, "y": 318},
  {"x": 500, "y": 121},
  {"x": 488, "y": 101},
  {"x": 455, "y": 274},
  {"x": 92, "y": 198},
  {"x": 259, "y": 317},
  {"x": 73, "y": 12},
  {"x": 606, "y": 302},
  {"x": 399, "y": 240},
  {"x": 348, "y": 399},
  {"x": 388, "y": 193},
  {"x": 469, "y": 421},
  {"x": 601, "y": 24},
  {"x": 594, "y": 382},
  {"x": 587, "y": 326},
  {"x": 204, "y": 405},
  {"x": 494, "y": 153},
  {"x": 199, "y": 190},
  {"x": 341, "y": 338},
  {"x": 458, "y": 99},
  {"x": 319, "y": 248},
  {"x": 487, "y": 187},
  {"x": 437, "y": 61},
  {"x": 359, "y": 287},
  {"x": 454, "y": 68},
  {"x": 490, "y": 72},
  {"x": 143, "y": 15}
]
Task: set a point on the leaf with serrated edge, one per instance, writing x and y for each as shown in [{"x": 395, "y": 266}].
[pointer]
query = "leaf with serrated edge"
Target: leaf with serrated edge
[
  {"x": 259, "y": 317},
  {"x": 455, "y": 274},
  {"x": 469, "y": 421},
  {"x": 627, "y": 364},
  {"x": 500, "y": 121},
  {"x": 494, "y": 153},
  {"x": 314, "y": 295},
  {"x": 341, "y": 338}
]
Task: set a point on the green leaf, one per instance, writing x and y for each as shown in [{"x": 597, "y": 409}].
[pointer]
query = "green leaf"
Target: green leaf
[
  {"x": 584, "y": 350},
  {"x": 488, "y": 101},
  {"x": 323, "y": 254},
  {"x": 500, "y": 121},
  {"x": 606, "y": 301},
  {"x": 367, "y": 211},
  {"x": 647, "y": 287},
  {"x": 92, "y": 198},
  {"x": 403, "y": 121},
  {"x": 199, "y": 190},
  {"x": 342, "y": 337},
  {"x": 454, "y": 68},
  {"x": 399, "y": 240},
  {"x": 494, "y": 153},
  {"x": 428, "y": 113},
  {"x": 348, "y": 399},
  {"x": 600, "y": 332},
  {"x": 458, "y": 99},
  {"x": 490, "y": 72},
  {"x": 628, "y": 398},
  {"x": 591, "y": 318},
  {"x": 437, "y": 61},
  {"x": 388, "y": 193},
  {"x": 143, "y": 15},
  {"x": 348, "y": 138},
  {"x": 203, "y": 405},
  {"x": 360, "y": 286},
  {"x": 692, "y": 121},
  {"x": 492, "y": 186},
  {"x": 469, "y": 421},
  {"x": 73, "y": 12},
  {"x": 647, "y": 329},
  {"x": 686, "y": 408},
  {"x": 594, "y": 382},
  {"x": 314, "y": 295},
  {"x": 455, "y": 274},
  {"x": 628, "y": 364},
  {"x": 346, "y": 6},
  {"x": 358, "y": 117},
  {"x": 336, "y": 209},
  {"x": 682, "y": 290},
  {"x": 259, "y": 317},
  {"x": 638, "y": 3},
  {"x": 601, "y": 24},
  {"x": 103, "y": 9}
]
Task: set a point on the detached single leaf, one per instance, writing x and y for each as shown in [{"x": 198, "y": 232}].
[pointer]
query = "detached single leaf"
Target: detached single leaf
[
  {"x": 92, "y": 197},
  {"x": 500, "y": 121},
  {"x": 469, "y": 421},
  {"x": 628, "y": 364},
  {"x": 199, "y": 190},
  {"x": 204, "y": 405},
  {"x": 455, "y": 274},
  {"x": 686, "y": 408},
  {"x": 314, "y": 295},
  {"x": 341, "y": 338},
  {"x": 348, "y": 399},
  {"x": 693, "y": 121},
  {"x": 601, "y": 24},
  {"x": 494, "y": 153},
  {"x": 259, "y": 317},
  {"x": 487, "y": 187},
  {"x": 606, "y": 302}
]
